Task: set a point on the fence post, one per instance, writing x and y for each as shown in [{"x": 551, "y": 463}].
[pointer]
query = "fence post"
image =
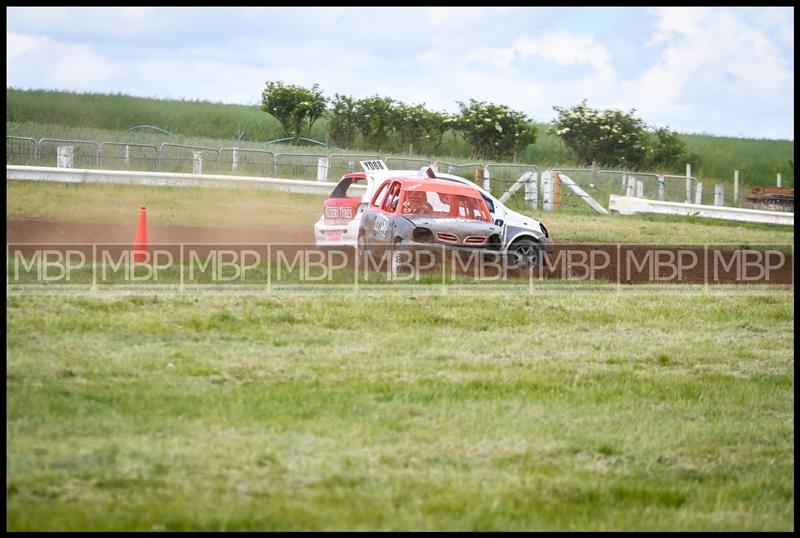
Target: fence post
[
  {"x": 234, "y": 160},
  {"x": 719, "y": 195},
  {"x": 594, "y": 173},
  {"x": 531, "y": 192},
  {"x": 197, "y": 162},
  {"x": 487, "y": 180},
  {"x": 640, "y": 189},
  {"x": 630, "y": 189},
  {"x": 688, "y": 183},
  {"x": 556, "y": 191},
  {"x": 322, "y": 169},
  {"x": 698, "y": 196},
  {"x": 660, "y": 184},
  {"x": 736, "y": 187},
  {"x": 547, "y": 190},
  {"x": 479, "y": 175},
  {"x": 127, "y": 156},
  {"x": 64, "y": 156},
  {"x": 779, "y": 180}
]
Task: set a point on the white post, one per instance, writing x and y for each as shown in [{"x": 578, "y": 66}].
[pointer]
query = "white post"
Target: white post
[
  {"x": 487, "y": 180},
  {"x": 779, "y": 181},
  {"x": 640, "y": 189},
  {"x": 660, "y": 183},
  {"x": 623, "y": 180},
  {"x": 197, "y": 162},
  {"x": 631, "y": 188},
  {"x": 719, "y": 195},
  {"x": 736, "y": 187},
  {"x": 547, "y": 190},
  {"x": 235, "y": 160},
  {"x": 698, "y": 196},
  {"x": 531, "y": 192},
  {"x": 127, "y": 155},
  {"x": 64, "y": 156},
  {"x": 322, "y": 169},
  {"x": 688, "y": 183}
]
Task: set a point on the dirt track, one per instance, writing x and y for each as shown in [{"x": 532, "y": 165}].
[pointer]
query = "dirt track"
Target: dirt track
[{"x": 618, "y": 263}]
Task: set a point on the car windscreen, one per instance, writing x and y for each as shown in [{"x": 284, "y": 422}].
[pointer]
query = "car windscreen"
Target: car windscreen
[
  {"x": 341, "y": 189},
  {"x": 444, "y": 205}
]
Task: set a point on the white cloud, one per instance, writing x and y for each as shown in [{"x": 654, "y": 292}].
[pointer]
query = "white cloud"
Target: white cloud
[
  {"x": 39, "y": 61},
  {"x": 696, "y": 72}
]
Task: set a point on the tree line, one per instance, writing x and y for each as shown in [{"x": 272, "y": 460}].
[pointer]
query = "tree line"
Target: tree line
[{"x": 612, "y": 138}]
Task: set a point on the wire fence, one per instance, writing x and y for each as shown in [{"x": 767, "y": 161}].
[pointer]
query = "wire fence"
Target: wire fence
[{"x": 499, "y": 177}]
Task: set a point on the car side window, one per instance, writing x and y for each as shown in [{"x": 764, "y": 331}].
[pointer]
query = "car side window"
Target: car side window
[
  {"x": 379, "y": 195},
  {"x": 489, "y": 202},
  {"x": 392, "y": 198}
]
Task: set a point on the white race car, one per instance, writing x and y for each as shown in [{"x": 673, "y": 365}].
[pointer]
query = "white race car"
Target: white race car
[{"x": 523, "y": 237}]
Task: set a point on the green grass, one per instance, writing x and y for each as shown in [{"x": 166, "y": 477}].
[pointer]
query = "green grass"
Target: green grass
[
  {"x": 100, "y": 117},
  {"x": 255, "y": 208},
  {"x": 566, "y": 411}
]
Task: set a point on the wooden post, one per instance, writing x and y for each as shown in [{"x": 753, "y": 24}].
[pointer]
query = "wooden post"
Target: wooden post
[
  {"x": 594, "y": 173},
  {"x": 479, "y": 175},
  {"x": 556, "y": 191},
  {"x": 736, "y": 187}
]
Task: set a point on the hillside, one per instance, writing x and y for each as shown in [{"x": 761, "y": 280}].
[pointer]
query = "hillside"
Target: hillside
[{"x": 757, "y": 159}]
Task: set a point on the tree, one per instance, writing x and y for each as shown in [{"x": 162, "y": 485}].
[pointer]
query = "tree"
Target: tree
[
  {"x": 293, "y": 105},
  {"x": 494, "y": 131},
  {"x": 667, "y": 151},
  {"x": 342, "y": 127},
  {"x": 374, "y": 119},
  {"x": 416, "y": 125},
  {"x": 611, "y": 137}
]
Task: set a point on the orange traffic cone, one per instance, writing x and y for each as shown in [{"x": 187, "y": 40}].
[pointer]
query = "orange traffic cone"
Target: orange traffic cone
[{"x": 140, "y": 243}]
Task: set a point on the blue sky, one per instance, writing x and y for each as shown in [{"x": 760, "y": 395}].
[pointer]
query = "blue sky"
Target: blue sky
[{"x": 723, "y": 71}]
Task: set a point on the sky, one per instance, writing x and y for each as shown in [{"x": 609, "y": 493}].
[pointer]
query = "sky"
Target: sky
[{"x": 720, "y": 71}]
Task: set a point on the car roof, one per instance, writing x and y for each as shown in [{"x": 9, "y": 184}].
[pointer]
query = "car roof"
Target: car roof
[{"x": 435, "y": 185}]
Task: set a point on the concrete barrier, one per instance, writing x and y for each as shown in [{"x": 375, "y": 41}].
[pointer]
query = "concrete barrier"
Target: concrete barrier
[
  {"x": 124, "y": 177},
  {"x": 628, "y": 205}
]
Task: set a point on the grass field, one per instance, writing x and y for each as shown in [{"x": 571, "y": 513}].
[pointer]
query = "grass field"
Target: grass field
[
  {"x": 101, "y": 118},
  {"x": 253, "y": 208},
  {"x": 420, "y": 412},
  {"x": 564, "y": 407}
]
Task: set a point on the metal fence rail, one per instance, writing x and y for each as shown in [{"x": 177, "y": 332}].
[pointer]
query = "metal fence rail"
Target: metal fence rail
[
  {"x": 21, "y": 150},
  {"x": 86, "y": 153},
  {"x": 180, "y": 158},
  {"x": 246, "y": 162},
  {"x": 128, "y": 156}
]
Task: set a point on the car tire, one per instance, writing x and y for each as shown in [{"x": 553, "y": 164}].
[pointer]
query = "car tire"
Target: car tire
[
  {"x": 399, "y": 253},
  {"x": 524, "y": 255}
]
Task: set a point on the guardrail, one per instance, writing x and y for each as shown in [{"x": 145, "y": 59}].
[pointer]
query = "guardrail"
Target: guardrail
[
  {"x": 630, "y": 205},
  {"x": 125, "y": 177}
]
